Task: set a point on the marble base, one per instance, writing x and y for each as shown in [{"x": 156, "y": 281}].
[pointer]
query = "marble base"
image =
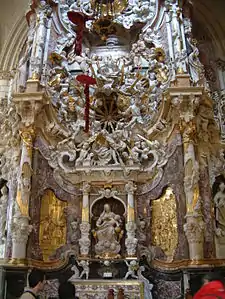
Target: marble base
[
  {"x": 220, "y": 247},
  {"x": 99, "y": 288}
]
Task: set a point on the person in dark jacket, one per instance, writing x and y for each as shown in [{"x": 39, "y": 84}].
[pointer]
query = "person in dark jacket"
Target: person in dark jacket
[
  {"x": 67, "y": 291},
  {"x": 213, "y": 287},
  {"x": 36, "y": 284}
]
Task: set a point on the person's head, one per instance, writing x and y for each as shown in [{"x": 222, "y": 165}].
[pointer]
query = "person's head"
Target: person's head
[
  {"x": 213, "y": 277},
  {"x": 222, "y": 186},
  {"x": 36, "y": 280},
  {"x": 107, "y": 208},
  {"x": 66, "y": 290}
]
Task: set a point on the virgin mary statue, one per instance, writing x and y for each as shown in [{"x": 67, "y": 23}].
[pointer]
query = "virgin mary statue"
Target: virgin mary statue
[{"x": 108, "y": 233}]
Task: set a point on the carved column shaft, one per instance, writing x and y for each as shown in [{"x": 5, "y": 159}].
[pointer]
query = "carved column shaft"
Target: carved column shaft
[
  {"x": 130, "y": 207},
  {"x": 84, "y": 241},
  {"x": 131, "y": 240},
  {"x": 25, "y": 171},
  {"x": 190, "y": 175},
  {"x": 85, "y": 203},
  {"x": 130, "y": 188},
  {"x": 205, "y": 191},
  {"x": 194, "y": 227},
  {"x": 186, "y": 112}
]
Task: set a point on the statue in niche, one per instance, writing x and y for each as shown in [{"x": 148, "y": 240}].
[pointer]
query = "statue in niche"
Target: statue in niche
[
  {"x": 74, "y": 232},
  {"x": 53, "y": 226},
  {"x": 219, "y": 202},
  {"x": 108, "y": 233},
  {"x": 195, "y": 66},
  {"x": 142, "y": 234}
]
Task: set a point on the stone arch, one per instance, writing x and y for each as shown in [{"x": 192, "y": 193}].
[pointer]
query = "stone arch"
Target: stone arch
[
  {"x": 204, "y": 15},
  {"x": 13, "y": 46}
]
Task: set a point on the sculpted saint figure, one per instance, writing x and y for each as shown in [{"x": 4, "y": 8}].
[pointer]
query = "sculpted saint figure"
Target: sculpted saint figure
[
  {"x": 219, "y": 201},
  {"x": 108, "y": 233}
]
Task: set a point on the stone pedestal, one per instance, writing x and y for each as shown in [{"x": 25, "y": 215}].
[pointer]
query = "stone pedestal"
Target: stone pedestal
[
  {"x": 20, "y": 232},
  {"x": 220, "y": 247},
  {"x": 99, "y": 288},
  {"x": 194, "y": 230}
]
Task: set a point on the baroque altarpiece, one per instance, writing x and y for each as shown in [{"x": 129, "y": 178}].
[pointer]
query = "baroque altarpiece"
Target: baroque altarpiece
[{"x": 111, "y": 157}]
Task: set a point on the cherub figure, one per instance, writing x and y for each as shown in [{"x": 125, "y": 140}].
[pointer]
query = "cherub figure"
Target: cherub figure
[
  {"x": 135, "y": 111},
  {"x": 86, "y": 269},
  {"x": 132, "y": 269},
  {"x": 75, "y": 276},
  {"x": 83, "y": 154}
]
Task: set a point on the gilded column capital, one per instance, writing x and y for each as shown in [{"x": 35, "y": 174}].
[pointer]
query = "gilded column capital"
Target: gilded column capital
[
  {"x": 28, "y": 135},
  {"x": 188, "y": 131}
]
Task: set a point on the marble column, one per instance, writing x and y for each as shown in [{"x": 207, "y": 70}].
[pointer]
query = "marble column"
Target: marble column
[
  {"x": 84, "y": 241},
  {"x": 25, "y": 171},
  {"x": 194, "y": 227},
  {"x": 207, "y": 209},
  {"x": 131, "y": 240},
  {"x": 20, "y": 226}
]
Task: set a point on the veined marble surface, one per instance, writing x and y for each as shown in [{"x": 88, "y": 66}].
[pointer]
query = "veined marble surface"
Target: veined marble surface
[{"x": 98, "y": 289}]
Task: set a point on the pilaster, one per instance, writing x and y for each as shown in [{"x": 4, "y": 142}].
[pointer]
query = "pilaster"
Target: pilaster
[{"x": 186, "y": 100}]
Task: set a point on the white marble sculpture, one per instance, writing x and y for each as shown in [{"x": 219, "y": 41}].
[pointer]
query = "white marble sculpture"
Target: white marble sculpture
[
  {"x": 132, "y": 269},
  {"x": 195, "y": 66},
  {"x": 108, "y": 228},
  {"x": 86, "y": 269},
  {"x": 147, "y": 285},
  {"x": 131, "y": 241},
  {"x": 76, "y": 274},
  {"x": 219, "y": 202},
  {"x": 84, "y": 241}
]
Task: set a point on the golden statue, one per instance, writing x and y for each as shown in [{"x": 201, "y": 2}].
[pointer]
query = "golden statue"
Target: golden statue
[
  {"x": 52, "y": 233},
  {"x": 164, "y": 223}
]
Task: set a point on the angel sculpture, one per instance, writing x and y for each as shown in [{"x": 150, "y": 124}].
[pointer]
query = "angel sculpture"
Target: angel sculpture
[
  {"x": 86, "y": 269},
  {"x": 132, "y": 269}
]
